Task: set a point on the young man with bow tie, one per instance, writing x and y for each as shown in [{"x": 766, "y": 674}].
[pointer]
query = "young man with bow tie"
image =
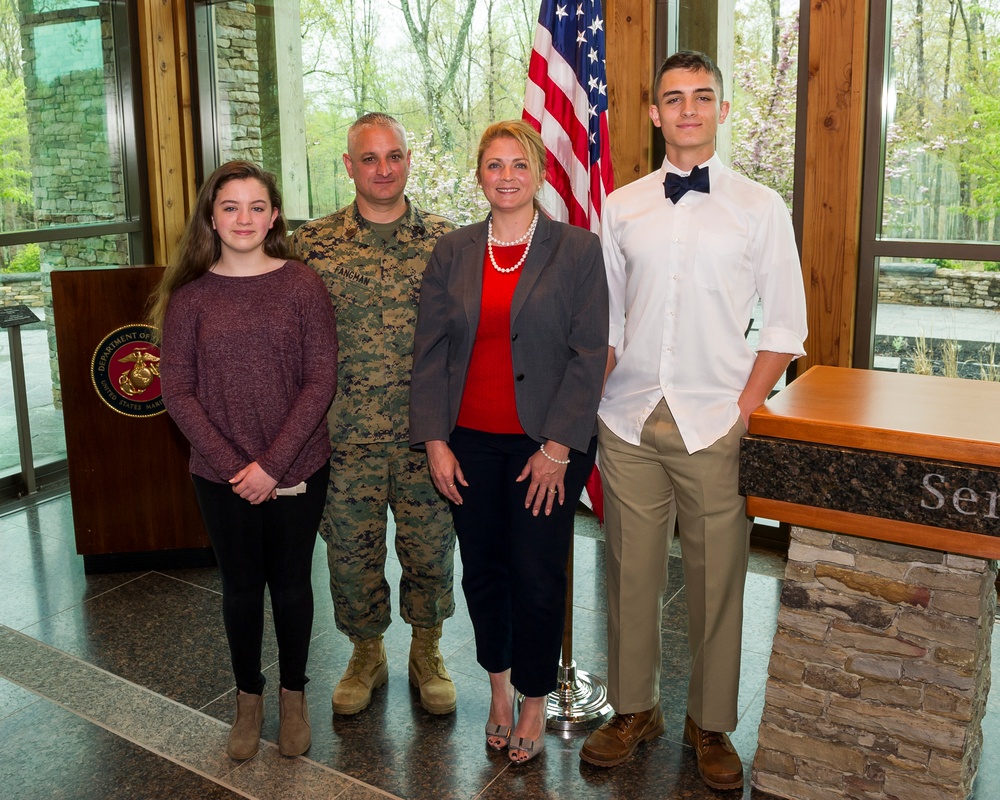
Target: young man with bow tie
[{"x": 688, "y": 251}]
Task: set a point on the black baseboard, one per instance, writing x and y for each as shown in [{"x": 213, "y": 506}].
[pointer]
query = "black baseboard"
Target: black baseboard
[{"x": 149, "y": 559}]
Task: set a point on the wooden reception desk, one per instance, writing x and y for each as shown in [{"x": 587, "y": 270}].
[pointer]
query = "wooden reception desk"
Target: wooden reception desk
[
  {"x": 880, "y": 664},
  {"x": 911, "y": 459}
]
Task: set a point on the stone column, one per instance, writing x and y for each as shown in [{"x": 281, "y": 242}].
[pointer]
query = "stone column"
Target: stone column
[{"x": 878, "y": 674}]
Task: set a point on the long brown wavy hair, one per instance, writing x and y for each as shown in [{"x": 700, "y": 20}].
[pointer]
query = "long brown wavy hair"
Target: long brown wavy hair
[{"x": 200, "y": 246}]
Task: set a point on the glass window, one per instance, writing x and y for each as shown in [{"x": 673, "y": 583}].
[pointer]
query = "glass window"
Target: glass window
[
  {"x": 931, "y": 206},
  {"x": 282, "y": 89},
  {"x": 68, "y": 184}
]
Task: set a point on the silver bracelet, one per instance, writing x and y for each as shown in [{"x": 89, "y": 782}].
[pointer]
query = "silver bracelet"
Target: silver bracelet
[{"x": 550, "y": 458}]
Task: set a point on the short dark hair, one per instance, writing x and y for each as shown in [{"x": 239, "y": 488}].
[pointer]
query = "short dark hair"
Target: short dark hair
[{"x": 690, "y": 60}]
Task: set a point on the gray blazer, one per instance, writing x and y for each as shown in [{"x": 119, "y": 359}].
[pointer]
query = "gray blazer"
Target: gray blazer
[{"x": 558, "y": 333}]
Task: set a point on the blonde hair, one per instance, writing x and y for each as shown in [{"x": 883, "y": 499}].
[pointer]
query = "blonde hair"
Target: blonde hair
[{"x": 526, "y": 136}]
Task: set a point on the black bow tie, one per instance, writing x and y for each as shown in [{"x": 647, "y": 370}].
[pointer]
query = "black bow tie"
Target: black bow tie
[{"x": 676, "y": 186}]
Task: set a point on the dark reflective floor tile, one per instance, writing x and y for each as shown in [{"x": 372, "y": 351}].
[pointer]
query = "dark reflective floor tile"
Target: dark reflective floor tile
[
  {"x": 46, "y": 752},
  {"x": 163, "y": 634},
  {"x": 396, "y": 745},
  {"x": 42, "y": 575},
  {"x": 657, "y": 770}
]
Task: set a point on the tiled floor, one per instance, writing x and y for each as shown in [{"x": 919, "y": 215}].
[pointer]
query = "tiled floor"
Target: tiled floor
[{"x": 118, "y": 686}]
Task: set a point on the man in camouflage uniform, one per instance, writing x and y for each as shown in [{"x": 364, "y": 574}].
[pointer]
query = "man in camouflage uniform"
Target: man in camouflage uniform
[{"x": 371, "y": 255}]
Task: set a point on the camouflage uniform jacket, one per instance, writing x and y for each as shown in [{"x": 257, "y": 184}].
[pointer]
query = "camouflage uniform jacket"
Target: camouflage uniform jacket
[{"x": 374, "y": 287}]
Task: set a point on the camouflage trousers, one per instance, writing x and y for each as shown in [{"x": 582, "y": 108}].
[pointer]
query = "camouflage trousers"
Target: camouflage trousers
[{"x": 365, "y": 480}]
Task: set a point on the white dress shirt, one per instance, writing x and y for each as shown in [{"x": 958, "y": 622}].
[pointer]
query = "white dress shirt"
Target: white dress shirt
[{"x": 683, "y": 281}]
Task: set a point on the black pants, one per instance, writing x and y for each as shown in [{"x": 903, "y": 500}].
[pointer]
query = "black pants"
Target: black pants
[
  {"x": 268, "y": 544},
  {"x": 514, "y": 563}
]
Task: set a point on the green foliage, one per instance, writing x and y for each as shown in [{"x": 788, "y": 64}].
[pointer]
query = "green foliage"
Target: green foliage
[
  {"x": 15, "y": 179},
  {"x": 362, "y": 55},
  {"x": 28, "y": 259},
  {"x": 946, "y": 263},
  {"x": 991, "y": 266}
]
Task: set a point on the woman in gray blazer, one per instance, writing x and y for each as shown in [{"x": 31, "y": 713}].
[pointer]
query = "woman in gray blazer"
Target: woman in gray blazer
[{"x": 508, "y": 363}]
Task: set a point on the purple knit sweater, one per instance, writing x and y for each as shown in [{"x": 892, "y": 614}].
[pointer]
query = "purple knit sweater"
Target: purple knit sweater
[{"x": 248, "y": 369}]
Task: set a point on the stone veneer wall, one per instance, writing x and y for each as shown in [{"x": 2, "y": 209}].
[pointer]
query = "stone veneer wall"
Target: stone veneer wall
[
  {"x": 22, "y": 289},
  {"x": 945, "y": 287},
  {"x": 237, "y": 82},
  {"x": 879, "y": 672}
]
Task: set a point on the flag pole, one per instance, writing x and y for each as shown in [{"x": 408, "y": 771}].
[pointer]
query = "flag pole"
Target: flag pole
[
  {"x": 580, "y": 701},
  {"x": 566, "y": 100}
]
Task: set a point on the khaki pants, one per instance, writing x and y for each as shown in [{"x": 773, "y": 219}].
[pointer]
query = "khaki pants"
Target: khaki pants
[{"x": 646, "y": 487}]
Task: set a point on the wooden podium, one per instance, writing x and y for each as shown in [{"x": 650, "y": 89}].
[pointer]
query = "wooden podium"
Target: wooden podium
[
  {"x": 134, "y": 505},
  {"x": 880, "y": 665}
]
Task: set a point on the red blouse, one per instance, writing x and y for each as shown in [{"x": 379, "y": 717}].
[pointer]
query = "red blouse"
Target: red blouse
[{"x": 488, "y": 402}]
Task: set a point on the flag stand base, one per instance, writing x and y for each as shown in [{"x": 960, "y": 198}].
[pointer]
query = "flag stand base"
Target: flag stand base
[{"x": 579, "y": 702}]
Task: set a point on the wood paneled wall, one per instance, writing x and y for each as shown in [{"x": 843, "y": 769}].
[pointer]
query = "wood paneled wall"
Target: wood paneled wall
[
  {"x": 834, "y": 136},
  {"x": 166, "y": 82},
  {"x": 629, "y": 28},
  {"x": 835, "y": 118}
]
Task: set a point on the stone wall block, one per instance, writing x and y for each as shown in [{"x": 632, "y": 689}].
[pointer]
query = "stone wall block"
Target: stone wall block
[
  {"x": 819, "y": 774},
  {"x": 929, "y": 672},
  {"x": 798, "y": 698},
  {"x": 952, "y": 580},
  {"x": 814, "y": 537},
  {"x": 841, "y": 757},
  {"x": 961, "y": 605},
  {"x": 888, "y": 550},
  {"x": 789, "y": 787},
  {"x": 832, "y": 680},
  {"x": 886, "y": 669},
  {"x": 784, "y": 668},
  {"x": 942, "y": 628},
  {"x": 854, "y": 637},
  {"x": 861, "y": 788},
  {"x": 897, "y": 785},
  {"x": 963, "y": 659},
  {"x": 804, "y": 649},
  {"x": 797, "y": 551},
  {"x": 773, "y": 761},
  {"x": 967, "y": 563},
  {"x": 893, "y": 694},
  {"x": 870, "y": 613},
  {"x": 884, "y": 568},
  {"x": 810, "y": 625},
  {"x": 895, "y": 592},
  {"x": 899, "y": 723},
  {"x": 950, "y": 703}
]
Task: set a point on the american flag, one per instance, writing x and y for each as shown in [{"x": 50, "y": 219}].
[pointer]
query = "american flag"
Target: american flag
[{"x": 566, "y": 99}]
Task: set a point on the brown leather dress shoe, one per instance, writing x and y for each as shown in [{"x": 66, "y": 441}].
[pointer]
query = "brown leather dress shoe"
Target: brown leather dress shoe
[
  {"x": 718, "y": 762},
  {"x": 615, "y": 740}
]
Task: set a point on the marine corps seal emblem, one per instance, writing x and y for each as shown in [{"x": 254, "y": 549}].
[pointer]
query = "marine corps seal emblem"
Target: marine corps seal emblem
[{"x": 125, "y": 371}]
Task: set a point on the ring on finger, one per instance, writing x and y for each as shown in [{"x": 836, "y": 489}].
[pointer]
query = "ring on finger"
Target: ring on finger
[{"x": 553, "y": 491}]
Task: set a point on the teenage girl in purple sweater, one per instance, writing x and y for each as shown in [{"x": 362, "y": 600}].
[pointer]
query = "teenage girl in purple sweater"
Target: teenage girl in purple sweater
[{"x": 248, "y": 369}]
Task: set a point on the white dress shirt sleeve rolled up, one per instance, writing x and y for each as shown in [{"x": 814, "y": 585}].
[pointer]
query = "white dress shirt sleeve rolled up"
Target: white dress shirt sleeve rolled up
[{"x": 683, "y": 282}]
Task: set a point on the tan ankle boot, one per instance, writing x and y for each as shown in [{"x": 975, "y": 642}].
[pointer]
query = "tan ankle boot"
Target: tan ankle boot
[
  {"x": 295, "y": 734},
  {"x": 428, "y": 673},
  {"x": 366, "y": 671},
  {"x": 244, "y": 738}
]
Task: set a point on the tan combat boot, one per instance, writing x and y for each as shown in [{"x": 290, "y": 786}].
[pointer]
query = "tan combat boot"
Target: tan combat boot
[
  {"x": 366, "y": 671},
  {"x": 428, "y": 673}
]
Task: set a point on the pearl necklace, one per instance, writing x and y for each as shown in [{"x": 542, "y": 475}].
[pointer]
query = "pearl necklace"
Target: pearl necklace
[{"x": 528, "y": 236}]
